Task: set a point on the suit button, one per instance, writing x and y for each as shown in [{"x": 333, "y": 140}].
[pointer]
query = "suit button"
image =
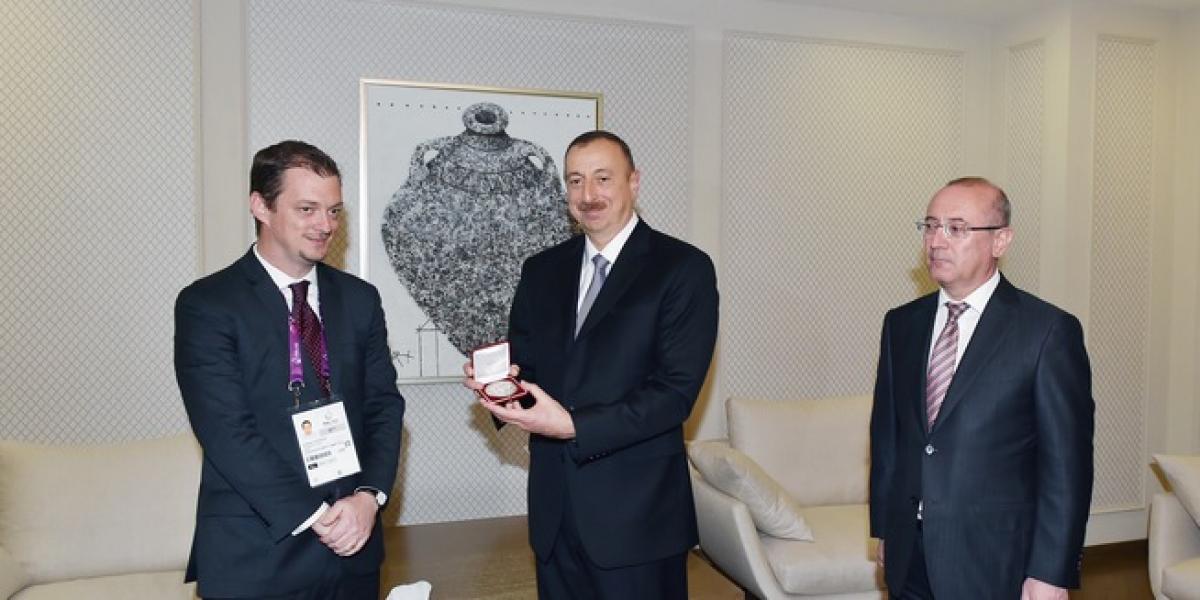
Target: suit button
[{"x": 929, "y": 450}]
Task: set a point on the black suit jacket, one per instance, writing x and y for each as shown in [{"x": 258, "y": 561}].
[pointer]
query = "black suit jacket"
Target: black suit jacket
[
  {"x": 231, "y": 362},
  {"x": 1006, "y": 472},
  {"x": 629, "y": 380}
]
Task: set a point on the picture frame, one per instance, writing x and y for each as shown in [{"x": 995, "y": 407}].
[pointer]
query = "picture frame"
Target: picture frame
[{"x": 458, "y": 184}]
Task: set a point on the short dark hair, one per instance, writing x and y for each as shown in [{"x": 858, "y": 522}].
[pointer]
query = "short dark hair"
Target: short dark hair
[
  {"x": 588, "y": 137},
  {"x": 1000, "y": 201},
  {"x": 266, "y": 173}
]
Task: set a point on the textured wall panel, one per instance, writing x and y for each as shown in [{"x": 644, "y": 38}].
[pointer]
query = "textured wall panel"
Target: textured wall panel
[
  {"x": 832, "y": 152},
  {"x": 1025, "y": 114},
  {"x": 1120, "y": 272},
  {"x": 304, "y": 61},
  {"x": 97, "y": 155}
]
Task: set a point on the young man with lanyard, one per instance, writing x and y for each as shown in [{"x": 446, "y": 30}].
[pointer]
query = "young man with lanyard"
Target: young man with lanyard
[{"x": 273, "y": 341}]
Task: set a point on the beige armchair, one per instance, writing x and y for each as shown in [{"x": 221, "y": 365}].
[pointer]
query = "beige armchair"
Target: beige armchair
[
  {"x": 103, "y": 522},
  {"x": 1174, "y": 538},
  {"x": 782, "y": 505}
]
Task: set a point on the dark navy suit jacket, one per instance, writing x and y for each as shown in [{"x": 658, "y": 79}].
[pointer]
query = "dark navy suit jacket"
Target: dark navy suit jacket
[
  {"x": 231, "y": 362},
  {"x": 629, "y": 380}
]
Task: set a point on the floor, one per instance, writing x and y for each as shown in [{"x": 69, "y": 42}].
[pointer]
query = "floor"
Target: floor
[
  {"x": 491, "y": 559},
  {"x": 1116, "y": 572}
]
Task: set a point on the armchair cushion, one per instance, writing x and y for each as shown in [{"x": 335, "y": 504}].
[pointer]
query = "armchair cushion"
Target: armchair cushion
[
  {"x": 773, "y": 511},
  {"x": 1182, "y": 581},
  {"x": 818, "y": 450},
  {"x": 161, "y": 585},
  {"x": 12, "y": 576},
  {"x": 841, "y": 561},
  {"x": 74, "y": 512},
  {"x": 1184, "y": 474}
]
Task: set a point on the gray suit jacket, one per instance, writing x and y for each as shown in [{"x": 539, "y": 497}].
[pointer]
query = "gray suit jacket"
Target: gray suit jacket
[{"x": 1006, "y": 472}]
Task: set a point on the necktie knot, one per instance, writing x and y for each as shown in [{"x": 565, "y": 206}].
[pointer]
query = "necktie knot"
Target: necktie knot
[
  {"x": 601, "y": 265},
  {"x": 299, "y": 295},
  {"x": 956, "y": 309}
]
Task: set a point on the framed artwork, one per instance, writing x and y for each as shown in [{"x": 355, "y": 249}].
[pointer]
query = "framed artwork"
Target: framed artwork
[{"x": 458, "y": 185}]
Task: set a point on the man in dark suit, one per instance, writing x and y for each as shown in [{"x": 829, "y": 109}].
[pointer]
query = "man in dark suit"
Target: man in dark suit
[
  {"x": 262, "y": 530},
  {"x": 981, "y": 432},
  {"x": 613, "y": 332}
]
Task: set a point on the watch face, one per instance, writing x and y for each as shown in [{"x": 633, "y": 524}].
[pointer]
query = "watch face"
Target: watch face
[
  {"x": 380, "y": 498},
  {"x": 500, "y": 389}
]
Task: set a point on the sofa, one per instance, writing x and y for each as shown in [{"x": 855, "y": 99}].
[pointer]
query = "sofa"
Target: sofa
[
  {"x": 99, "y": 522},
  {"x": 782, "y": 503},
  {"x": 1174, "y": 537}
]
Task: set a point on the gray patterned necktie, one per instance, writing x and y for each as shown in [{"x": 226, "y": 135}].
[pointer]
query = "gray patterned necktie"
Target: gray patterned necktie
[
  {"x": 942, "y": 362},
  {"x": 598, "y": 277}
]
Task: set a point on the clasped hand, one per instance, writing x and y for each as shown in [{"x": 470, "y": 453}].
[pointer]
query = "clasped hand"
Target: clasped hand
[{"x": 346, "y": 526}]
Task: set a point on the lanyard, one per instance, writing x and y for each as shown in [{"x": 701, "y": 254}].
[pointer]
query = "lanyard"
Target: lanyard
[{"x": 295, "y": 363}]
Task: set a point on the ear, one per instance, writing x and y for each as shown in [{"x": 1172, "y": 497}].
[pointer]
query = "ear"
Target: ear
[
  {"x": 1000, "y": 241},
  {"x": 258, "y": 207},
  {"x": 635, "y": 181}
]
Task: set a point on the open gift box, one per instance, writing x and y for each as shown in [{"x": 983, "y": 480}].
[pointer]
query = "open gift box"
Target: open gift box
[{"x": 491, "y": 364}]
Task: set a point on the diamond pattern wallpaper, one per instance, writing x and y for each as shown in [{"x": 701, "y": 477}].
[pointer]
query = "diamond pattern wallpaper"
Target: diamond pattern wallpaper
[
  {"x": 1120, "y": 273},
  {"x": 1024, "y": 116},
  {"x": 304, "y": 61},
  {"x": 97, "y": 152},
  {"x": 832, "y": 151}
]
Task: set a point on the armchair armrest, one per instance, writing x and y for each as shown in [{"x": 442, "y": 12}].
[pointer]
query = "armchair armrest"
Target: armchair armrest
[
  {"x": 729, "y": 538},
  {"x": 12, "y": 577},
  {"x": 1174, "y": 537}
]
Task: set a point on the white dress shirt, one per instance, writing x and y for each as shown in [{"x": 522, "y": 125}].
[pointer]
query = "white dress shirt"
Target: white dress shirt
[
  {"x": 610, "y": 253},
  {"x": 282, "y": 282},
  {"x": 976, "y": 301}
]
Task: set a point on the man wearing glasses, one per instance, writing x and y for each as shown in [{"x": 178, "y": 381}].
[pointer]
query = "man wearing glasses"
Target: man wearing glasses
[{"x": 981, "y": 431}]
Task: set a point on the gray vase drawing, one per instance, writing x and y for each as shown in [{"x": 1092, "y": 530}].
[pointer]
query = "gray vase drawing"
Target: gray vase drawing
[{"x": 474, "y": 206}]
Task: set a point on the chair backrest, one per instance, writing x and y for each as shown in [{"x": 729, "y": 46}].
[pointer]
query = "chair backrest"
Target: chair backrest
[
  {"x": 84, "y": 511},
  {"x": 818, "y": 450}
]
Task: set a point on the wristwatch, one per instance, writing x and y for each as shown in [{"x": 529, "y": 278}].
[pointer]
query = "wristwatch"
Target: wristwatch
[{"x": 380, "y": 497}]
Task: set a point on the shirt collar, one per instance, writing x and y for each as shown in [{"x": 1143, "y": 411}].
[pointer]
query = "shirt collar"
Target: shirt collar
[
  {"x": 977, "y": 299},
  {"x": 613, "y": 249},
  {"x": 283, "y": 280}
]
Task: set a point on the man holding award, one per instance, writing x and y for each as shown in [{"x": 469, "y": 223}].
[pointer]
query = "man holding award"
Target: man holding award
[
  {"x": 611, "y": 335},
  {"x": 285, "y": 373}
]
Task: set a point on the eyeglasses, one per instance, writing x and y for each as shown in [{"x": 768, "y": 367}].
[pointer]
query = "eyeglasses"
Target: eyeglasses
[{"x": 955, "y": 229}]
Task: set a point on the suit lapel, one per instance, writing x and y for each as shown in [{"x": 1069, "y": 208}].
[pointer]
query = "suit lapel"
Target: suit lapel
[
  {"x": 988, "y": 337},
  {"x": 564, "y": 287},
  {"x": 269, "y": 296},
  {"x": 333, "y": 321},
  {"x": 621, "y": 275},
  {"x": 271, "y": 322}
]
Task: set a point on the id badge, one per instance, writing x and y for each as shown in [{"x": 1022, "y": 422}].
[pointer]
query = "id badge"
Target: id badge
[{"x": 326, "y": 444}]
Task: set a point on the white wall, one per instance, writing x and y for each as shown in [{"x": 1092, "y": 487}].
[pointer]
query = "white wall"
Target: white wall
[{"x": 873, "y": 112}]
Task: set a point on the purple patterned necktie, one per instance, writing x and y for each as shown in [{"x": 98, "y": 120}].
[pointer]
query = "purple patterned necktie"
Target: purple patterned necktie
[
  {"x": 941, "y": 363},
  {"x": 310, "y": 330}
]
